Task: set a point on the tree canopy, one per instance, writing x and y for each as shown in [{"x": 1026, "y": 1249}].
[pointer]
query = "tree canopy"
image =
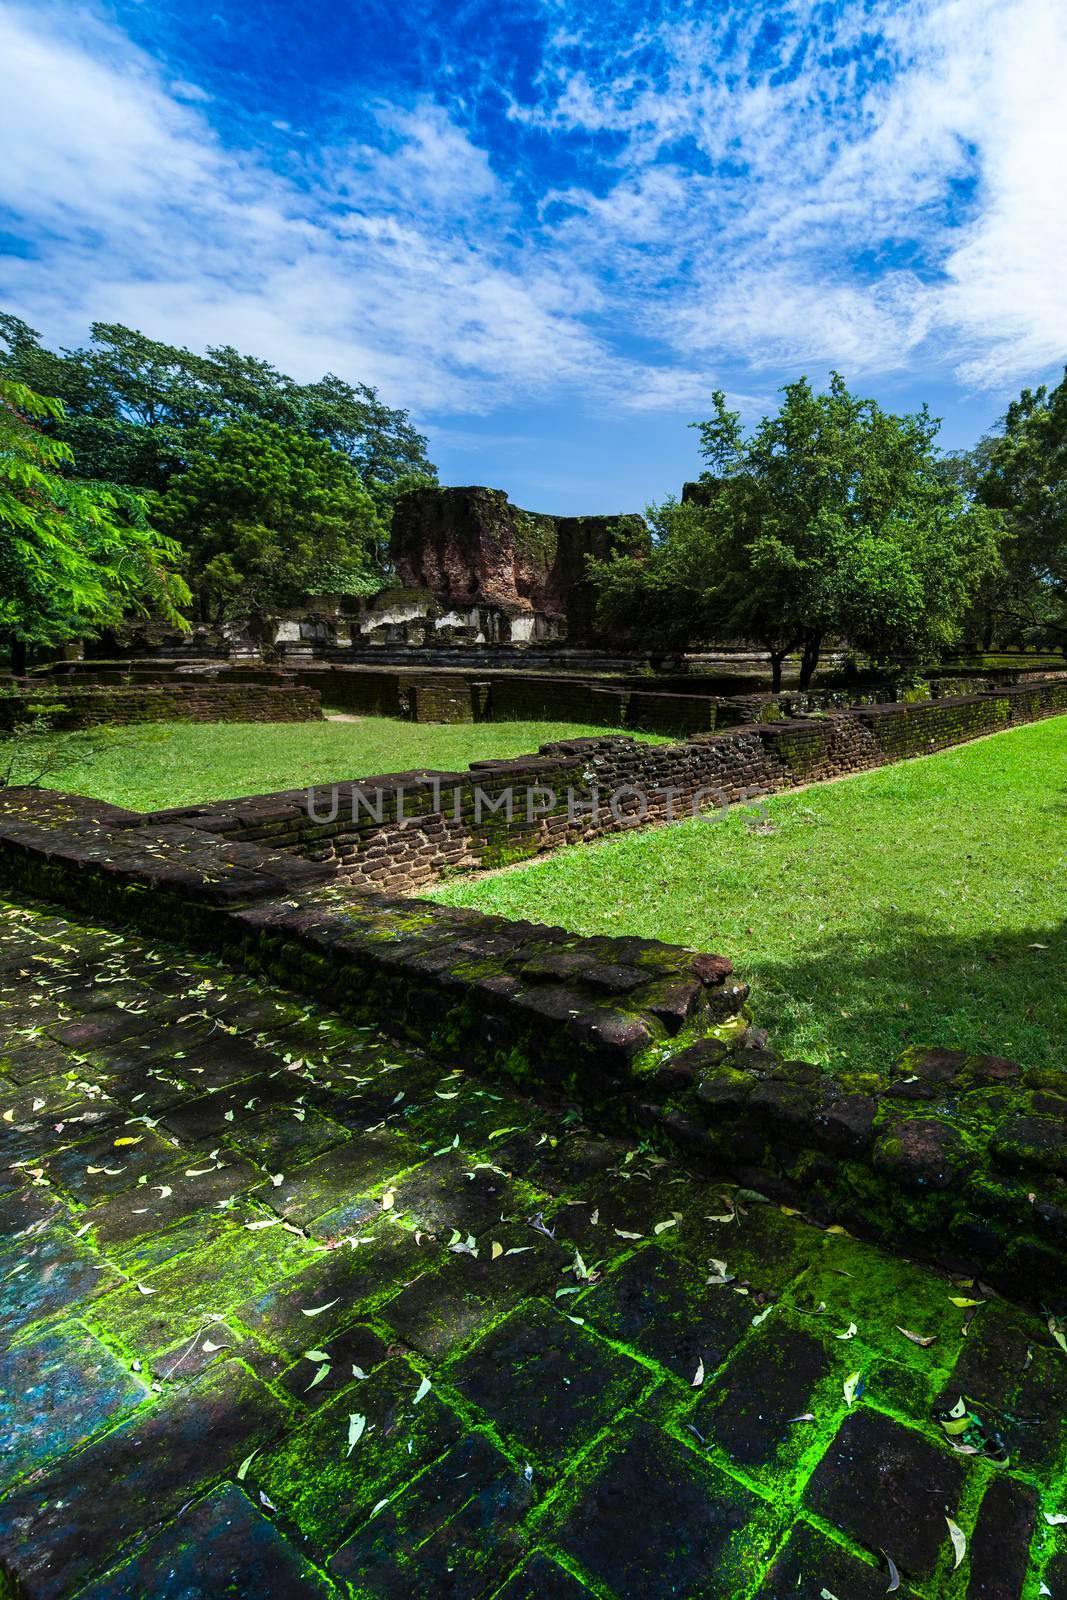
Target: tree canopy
[
  {"x": 130, "y": 402},
  {"x": 275, "y": 490},
  {"x": 1022, "y": 473},
  {"x": 268, "y": 515},
  {"x": 75, "y": 556},
  {"x": 830, "y": 519}
]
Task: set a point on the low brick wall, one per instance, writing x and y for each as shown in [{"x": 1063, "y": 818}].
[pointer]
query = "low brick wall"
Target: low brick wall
[
  {"x": 366, "y": 693},
  {"x": 537, "y": 1003},
  {"x": 67, "y": 706},
  {"x": 396, "y": 833},
  {"x": 959, "y": 1159},
  {"x": 675, "y": 706},
  {"x": 442, "y": 700}
]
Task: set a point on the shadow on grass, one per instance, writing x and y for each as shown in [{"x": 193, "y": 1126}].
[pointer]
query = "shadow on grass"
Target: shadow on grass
[{"x": 1004, "y": 994}]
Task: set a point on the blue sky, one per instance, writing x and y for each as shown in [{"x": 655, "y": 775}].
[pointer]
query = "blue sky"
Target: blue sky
[{"x": 551, "y": 228}]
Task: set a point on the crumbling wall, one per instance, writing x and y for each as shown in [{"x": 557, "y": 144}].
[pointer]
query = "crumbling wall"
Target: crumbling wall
[{"x": 471, "y": 546}]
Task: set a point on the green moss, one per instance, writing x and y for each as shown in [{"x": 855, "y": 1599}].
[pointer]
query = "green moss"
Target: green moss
[{"x": 536, "y": 538}]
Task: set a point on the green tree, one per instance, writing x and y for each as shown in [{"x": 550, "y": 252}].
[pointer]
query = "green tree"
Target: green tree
[
  {"x": 268, "y": 515},
  {"x": 75, "y": 556},
  {"x": 1024, "y": 477},
  {"x": 829, "y": 519},
  {"x": 130, "y": 402}
]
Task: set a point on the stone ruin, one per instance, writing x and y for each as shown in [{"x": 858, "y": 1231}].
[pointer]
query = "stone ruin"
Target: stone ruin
[
  {"x": 476, "y": 568},
  {"x": 472, "y": 568}
]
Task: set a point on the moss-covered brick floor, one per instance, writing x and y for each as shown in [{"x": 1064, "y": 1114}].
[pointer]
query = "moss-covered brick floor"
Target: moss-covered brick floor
[{"x": 288, "y": 1310}]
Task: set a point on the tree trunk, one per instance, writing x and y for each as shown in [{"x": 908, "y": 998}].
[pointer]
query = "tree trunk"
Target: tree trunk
[
  {"x": 810, "y": 659},
  {"x": 777, "y": 657},
  {"x": 18, "y": 657}
]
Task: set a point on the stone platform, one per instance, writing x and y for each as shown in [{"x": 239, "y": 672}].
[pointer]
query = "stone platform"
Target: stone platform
[{"x": 289, "y": 1308}]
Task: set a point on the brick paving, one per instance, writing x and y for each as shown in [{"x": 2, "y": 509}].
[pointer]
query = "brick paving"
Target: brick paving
[{"x": 288, "y": 1309}]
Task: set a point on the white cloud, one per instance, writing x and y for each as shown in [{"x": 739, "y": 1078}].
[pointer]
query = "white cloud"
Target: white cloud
[
  {"x": 823, "y": 216},
  {"x": 382, "y": 263},
  {"x": 740, "y": 216}
]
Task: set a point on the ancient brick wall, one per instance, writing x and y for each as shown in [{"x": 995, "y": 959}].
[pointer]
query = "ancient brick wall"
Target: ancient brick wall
[
  {"x": 471, "y": 545},
  {"x": 599, "y": 702},
  {"x": 367, "y": 693},
  {"x": 397, "y": 833},
  {"x": 194, "y": 701}
]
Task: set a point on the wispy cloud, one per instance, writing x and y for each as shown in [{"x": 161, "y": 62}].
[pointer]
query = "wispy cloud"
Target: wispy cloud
[
  {"x": 868, "y": 190},
  {"x": 399, "y": 261},
  {"x": 876, "y": 187}
]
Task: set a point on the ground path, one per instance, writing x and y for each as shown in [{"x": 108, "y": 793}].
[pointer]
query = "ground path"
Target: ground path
[{"x": 288, "y": 1309}]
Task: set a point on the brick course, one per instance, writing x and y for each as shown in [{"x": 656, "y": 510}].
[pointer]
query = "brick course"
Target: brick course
[{"x": 197, "y": 701}]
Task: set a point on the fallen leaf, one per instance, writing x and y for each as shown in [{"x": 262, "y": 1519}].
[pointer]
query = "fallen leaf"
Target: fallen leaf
[
  {"x": 894, "y": 1575},
  {"x": 853, "y": 1387},
  {"x": 143, "y": 1289},
  {"x": 315, "y": 1355},
  {"x": 1055, "y": 1519},
  {"x": 423, "y": 1390},
  {"x": 245, "y": 1464},
  {"x": 1055, "y": 1327},
  {"x": 497, "y": 1250},
  {"x": 356, "y": 1425},
  {"x": 918, "y": 1338},
  {"x": 387, "y": 1200},
  {"x": 962, "y": 1301},
  {"x": 319, "y": 1375},
  {"x": 698, "y": 1376},
  {"x": 316, "y": 1311},
  {"x": 761, "y": 1316},
  {"x": 959, "y": 1540},
  {"x": 849, "y": 1333}
]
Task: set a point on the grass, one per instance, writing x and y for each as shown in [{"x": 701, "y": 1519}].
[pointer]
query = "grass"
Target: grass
[
  {"x": 149, "y": 767},
  {"x": 921, "y": 903}
]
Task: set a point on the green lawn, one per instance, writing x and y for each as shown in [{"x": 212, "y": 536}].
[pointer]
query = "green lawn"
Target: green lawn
[
  {"x": 922, "y": 903},
  {"x": 152, "y": 766}
]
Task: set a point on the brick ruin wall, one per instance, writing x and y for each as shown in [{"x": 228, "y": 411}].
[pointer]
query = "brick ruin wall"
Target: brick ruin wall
[
  {"x": 221, "y": 692},
  {"x": 457, "y": 821},
  {"x": 470, "y": 546},
  {"x": 655, "y": 707},
  {"x": 69, "y": 706}
]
